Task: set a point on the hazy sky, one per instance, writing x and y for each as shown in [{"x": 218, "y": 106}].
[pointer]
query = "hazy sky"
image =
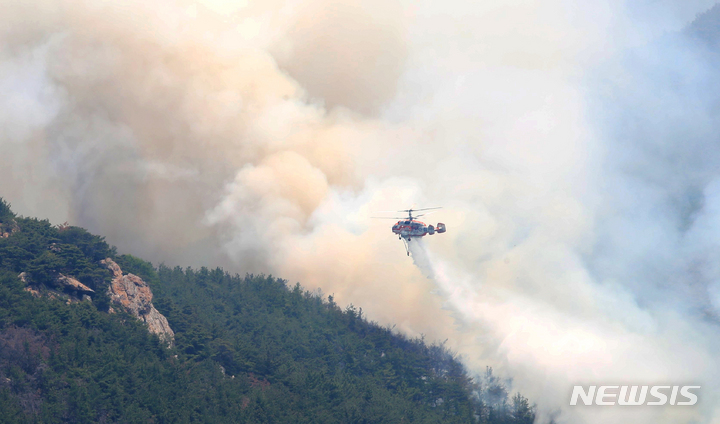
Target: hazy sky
[{"x": 571, "y": 144}]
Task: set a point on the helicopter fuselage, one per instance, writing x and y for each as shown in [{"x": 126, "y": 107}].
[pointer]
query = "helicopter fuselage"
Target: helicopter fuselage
[{"x": 411, "y": 228}]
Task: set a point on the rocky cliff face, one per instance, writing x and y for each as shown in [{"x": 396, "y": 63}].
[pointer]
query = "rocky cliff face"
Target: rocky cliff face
[
  {"x": 70, "y": 283},
  {"x": 62, "y": 287},
  {"x": 132, "y": 293}
]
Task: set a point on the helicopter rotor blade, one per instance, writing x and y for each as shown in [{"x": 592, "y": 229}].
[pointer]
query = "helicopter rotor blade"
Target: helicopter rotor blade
[
  {"x": 423, "y": 214},
  {"x": 421, "y": 209}
]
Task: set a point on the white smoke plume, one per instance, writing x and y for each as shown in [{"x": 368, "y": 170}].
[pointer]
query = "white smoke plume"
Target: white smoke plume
[{"x": 572, "y": 146}]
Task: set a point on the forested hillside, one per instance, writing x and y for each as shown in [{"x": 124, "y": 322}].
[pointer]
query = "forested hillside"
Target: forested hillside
[{"x": 247, "y": 348}]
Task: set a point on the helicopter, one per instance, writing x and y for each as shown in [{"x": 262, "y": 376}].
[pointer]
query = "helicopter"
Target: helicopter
[{"x": 408, "y": 227}]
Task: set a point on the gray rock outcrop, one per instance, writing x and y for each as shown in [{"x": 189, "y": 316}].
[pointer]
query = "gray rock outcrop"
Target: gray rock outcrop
[
  {"x": 132, "y": 293},
  {"x": 72, "y": 284},
  {"x": 8, "y": 228}
]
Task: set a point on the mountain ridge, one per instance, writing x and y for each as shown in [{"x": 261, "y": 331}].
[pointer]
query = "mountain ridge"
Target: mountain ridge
[{"x": 246, "y": 349}]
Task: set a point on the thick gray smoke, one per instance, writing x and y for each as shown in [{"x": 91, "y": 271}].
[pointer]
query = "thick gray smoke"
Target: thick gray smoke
[{"x": 571, "y": 145}]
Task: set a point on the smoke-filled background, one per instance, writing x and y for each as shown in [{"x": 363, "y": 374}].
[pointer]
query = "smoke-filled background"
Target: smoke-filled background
[{"x": 574, "y": 148}]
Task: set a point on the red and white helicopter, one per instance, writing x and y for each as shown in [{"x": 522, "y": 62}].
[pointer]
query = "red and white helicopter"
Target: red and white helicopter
[{"x": 408, "y": 227}]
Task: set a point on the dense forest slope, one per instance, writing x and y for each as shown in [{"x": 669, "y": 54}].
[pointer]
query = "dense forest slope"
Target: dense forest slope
[{"x": 246, "y": 348}]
